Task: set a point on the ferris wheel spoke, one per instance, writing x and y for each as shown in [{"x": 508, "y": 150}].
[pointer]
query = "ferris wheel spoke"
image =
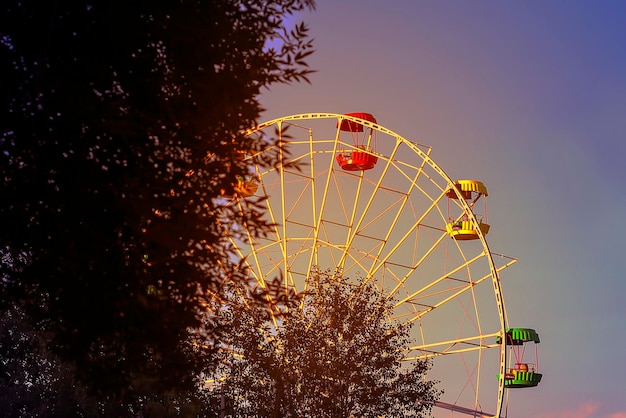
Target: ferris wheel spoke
[
  {"x": 283, "y": 211},
  {"x": 255, "y": 247},
  {"x": 403, "y": 202},
  {"x": 317, "y": 220},
  {"x": 376, "y": 267},
  {"x": 313, "y": 260},
  {"x": 423, "y": 290},
  {"x": 355, "y": 227},
  {"x": 455, "y": 346},
  {"x": 402, "y": 281}
]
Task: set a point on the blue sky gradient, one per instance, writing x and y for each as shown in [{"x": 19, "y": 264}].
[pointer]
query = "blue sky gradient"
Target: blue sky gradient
[{"x": 530, "y": 98}]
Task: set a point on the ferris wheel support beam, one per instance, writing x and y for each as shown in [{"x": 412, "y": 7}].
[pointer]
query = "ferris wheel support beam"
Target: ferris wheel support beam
[{"x": 462, "y": 410}]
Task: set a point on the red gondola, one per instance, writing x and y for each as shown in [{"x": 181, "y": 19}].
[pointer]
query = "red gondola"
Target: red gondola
[{"x": 362, "y": 156}]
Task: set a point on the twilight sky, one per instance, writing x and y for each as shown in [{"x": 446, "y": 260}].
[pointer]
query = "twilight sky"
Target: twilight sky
[{"x": 530, "y": 98}]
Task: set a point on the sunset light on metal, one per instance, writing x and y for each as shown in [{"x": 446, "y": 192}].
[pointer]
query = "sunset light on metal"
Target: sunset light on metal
[{"x": 352, "y": 195}]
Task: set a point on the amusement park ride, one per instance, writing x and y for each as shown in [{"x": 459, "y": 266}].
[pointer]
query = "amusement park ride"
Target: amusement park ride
[{"x": 376, "y": 205}]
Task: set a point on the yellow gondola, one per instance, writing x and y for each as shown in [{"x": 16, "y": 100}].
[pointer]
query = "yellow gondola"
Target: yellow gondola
[{"x": 471, "y": 191}]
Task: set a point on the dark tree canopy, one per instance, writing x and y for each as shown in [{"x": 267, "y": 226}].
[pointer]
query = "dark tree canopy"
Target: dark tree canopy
[
  {"x": 34, "y": 381},
  {"x": 120, "y": 124},
  {"x": 338, "y": 355}
]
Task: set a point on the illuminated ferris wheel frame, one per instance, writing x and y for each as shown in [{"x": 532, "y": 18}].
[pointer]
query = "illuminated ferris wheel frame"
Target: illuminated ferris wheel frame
[{"x": 369, "y": 202}]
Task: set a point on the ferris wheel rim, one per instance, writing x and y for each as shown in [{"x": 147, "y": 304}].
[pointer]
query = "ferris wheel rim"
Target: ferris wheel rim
[{"x": 425, "y": 156}]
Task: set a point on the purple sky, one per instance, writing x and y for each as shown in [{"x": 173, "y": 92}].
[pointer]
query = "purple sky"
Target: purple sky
[{"x": 530, "y": 98}]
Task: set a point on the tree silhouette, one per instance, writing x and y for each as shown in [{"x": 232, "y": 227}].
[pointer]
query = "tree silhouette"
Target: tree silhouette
[
  {"x": 120, "y": 127},
  {"x": 338, "y": 355},
  {"x": 34, "y": 381}
]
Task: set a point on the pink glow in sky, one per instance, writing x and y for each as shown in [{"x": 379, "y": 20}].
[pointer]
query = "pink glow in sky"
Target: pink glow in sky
[{"x": 585, "y": 410}]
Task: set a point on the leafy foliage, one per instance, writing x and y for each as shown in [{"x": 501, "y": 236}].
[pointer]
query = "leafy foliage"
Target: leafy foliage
[
  {"x": 338, "y": 355},
  {"x": 37, "y": 382},
  {"x": 34, "y": 381},
  {"x": 121, "y": 126}
]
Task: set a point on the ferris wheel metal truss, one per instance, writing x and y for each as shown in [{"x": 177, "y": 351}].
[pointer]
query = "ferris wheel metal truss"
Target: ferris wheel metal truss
[{"x": 352, "y": 195}]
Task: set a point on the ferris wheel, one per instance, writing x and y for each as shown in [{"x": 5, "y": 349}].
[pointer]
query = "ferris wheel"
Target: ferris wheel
[{"x": 375, "y": 205}]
